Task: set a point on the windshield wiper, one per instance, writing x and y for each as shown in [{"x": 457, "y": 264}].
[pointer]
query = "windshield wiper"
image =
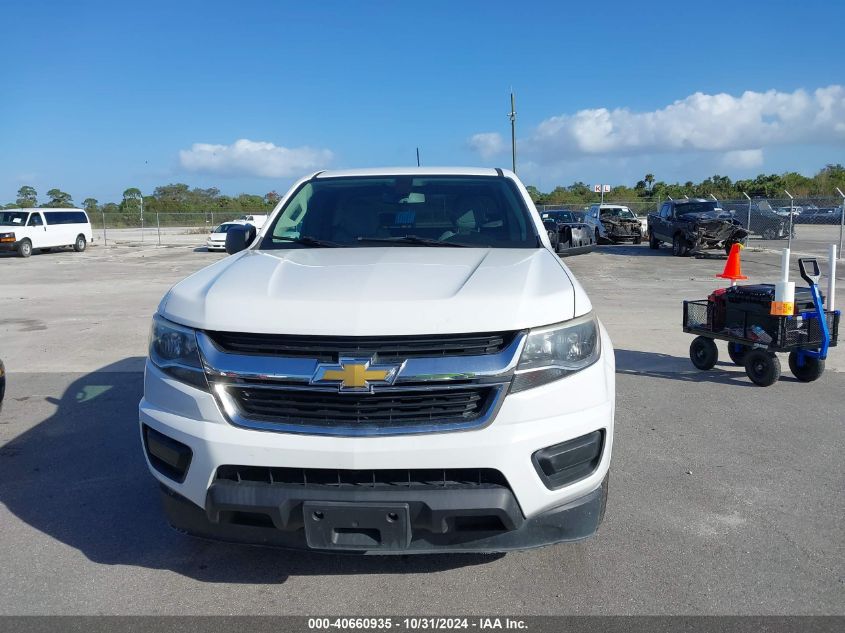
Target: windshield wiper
[
  {"x": 307, "y": 240},
  {"x": 415, "y": 239}
]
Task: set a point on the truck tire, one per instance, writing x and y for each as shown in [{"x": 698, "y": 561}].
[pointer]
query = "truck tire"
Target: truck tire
[
  {"x": 762, "y": 367},
  {"x": 80, "y": 243},
  {"x": 638, "y": 240},
  {"x": 680, "y": 248},
  {"x": 653, "y": 242},
  {"x": 812, "y": 370},
  {"x": 25, "y": 248},
  {"x": 703, "y": 353}
]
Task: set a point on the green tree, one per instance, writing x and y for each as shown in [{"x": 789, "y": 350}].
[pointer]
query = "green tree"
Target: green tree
[
  {"x": 27, "y": 197},
  {"x": 59, "y": 199},
  {"x": 90, "y": 204},
  {"x": 132, "y": 199}
]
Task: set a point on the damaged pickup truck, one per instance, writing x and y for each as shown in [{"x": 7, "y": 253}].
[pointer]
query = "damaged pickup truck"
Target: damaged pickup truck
[
  {"x": 693, "y": 225},
  {"x": 615, "y": 223},
  {"x": 567, "y": 235}
]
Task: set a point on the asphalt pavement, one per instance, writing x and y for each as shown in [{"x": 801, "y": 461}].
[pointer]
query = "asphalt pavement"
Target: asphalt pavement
[{"x": 725, "y": 498}]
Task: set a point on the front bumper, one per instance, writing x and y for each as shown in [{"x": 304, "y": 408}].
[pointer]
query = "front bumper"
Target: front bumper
[
  {"x": 434, "y": 520},
  {"x": 215, "y": 246},
  {"x": 531, "y": 513}
]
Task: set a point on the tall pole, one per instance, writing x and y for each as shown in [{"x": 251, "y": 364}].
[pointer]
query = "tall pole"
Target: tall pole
[
  {"x": 748, "y": 225},
  {"x": 791, "y": 209},
  {"x": 841, "y": 221},
  {"x": 512, "y": 117},
  {"x": 418, "y": 157},
  {"x": 142, "y": 217}
]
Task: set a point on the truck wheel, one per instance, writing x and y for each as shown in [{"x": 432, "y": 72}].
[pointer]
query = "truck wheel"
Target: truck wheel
[
  {"x": 812, "y": 370},
  {"x": 703, "y": 353},
  {"x": 738, "y": 353},
  {"x": 598, "y": 237},
  {"x": 638, "y": 240},
  {"x": 80, "y": 243},
  {"x": 769, "y": 234},
  {"x": 762, "y": 367},
  {"x": 653, "y": 242},
  {"x": 679, "y": 246},
  {"x": 25, "y": 248}
]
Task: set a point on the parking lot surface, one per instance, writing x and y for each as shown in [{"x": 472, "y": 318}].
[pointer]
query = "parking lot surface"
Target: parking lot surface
[{"x": 725, "y": 498}]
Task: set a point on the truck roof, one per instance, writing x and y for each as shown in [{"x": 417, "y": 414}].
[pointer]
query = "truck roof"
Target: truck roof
[{"x": 413, "y": 171}]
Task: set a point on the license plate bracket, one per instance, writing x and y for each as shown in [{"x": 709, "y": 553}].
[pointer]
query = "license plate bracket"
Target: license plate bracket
[{"x": 356, "y": 526}]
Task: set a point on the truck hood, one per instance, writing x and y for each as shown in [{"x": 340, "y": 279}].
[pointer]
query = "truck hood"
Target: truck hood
[{"x": 378, "y": 291}]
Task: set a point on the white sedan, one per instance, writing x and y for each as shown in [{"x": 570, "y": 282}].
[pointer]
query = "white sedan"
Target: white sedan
[{"x": 217, "y": 238}]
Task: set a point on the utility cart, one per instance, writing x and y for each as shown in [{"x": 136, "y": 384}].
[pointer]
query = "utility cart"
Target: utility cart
[{"x": 741, "y": 316}]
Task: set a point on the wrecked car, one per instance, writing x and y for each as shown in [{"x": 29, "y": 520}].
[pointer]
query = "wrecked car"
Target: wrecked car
[
  {"x": 694, "y": 225},
  {"x": 616, "y": 223},
  {"x": 568, "y": 235}
]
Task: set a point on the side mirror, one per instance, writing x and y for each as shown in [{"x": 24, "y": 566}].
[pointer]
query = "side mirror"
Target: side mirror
[{"x": 238, "y": 238}]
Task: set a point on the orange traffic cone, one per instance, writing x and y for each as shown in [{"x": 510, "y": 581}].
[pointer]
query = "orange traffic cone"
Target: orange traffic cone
[{"x": 733, "y": 270}]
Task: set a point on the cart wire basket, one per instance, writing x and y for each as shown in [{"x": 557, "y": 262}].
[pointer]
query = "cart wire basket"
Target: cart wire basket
[{"x": 784, "y": 333}]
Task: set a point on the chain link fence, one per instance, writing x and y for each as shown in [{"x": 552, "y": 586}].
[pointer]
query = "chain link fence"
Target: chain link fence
[
  {"x": 812, "y": 223},
  {"x": 162, "y": 229}
]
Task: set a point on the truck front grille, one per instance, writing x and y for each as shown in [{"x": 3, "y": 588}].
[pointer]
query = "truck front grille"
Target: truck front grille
[
  {"x": 429, "y": 478},
  {"x": 365, "y": 413},
  {"x": 383, "y": 348}
]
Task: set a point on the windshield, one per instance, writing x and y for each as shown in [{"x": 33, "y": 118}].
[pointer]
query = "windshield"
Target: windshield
[
  {"x": 560, "y": 216},
  {"x": 224, "y": 228},
  {"x": 618, "y": 212},
  {"x": 480, "y": 211},
  {"x": 696, "y": 207},
  {"x": 13, "y": 218}
]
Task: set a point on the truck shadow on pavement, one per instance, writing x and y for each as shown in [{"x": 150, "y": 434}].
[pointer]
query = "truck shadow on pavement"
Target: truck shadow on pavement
[
  {"x": 656, "y": 365},
  {"x": 79, "y": 477}
]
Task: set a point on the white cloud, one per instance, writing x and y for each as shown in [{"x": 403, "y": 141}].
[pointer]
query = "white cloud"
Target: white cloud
[
  {"x": 743, "y": 158},
  {"x": 740, "y": 127},
  {"x": 253, "y": 158},
  {"x": 487, "y": 144}
]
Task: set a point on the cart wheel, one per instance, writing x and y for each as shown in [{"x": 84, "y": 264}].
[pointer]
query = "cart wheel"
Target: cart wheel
[
  {"x": 812, "y": 370},
  {"x": 762, "y": 367},
  {"x": 703, "y": 353},
  {"x": 737, "y": 353}
]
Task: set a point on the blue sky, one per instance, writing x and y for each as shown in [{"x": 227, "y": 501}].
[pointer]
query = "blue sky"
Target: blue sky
[{"x": 101, "y": 96}]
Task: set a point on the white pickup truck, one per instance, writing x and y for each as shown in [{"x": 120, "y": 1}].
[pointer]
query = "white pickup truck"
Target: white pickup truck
[{"x": 396, "y": 363}]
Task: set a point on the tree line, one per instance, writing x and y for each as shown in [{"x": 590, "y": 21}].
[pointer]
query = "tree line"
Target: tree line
[
  {"x": 180, "y": 198},
  {"x": 172, "y": 198},
  {"x": 822, "y": 185}
]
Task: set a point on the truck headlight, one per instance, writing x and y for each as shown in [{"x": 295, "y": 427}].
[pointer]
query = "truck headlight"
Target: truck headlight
[
  {"x": 556, "y": 351},
  {"x": 7, "y": 237},
  {"x": 173, "y": 349}
]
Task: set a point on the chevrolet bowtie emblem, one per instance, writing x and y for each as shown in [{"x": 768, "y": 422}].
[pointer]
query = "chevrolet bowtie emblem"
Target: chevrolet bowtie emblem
[{"x": 352, "y": 374}]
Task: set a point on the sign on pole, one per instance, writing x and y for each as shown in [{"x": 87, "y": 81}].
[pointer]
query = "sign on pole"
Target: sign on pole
[
  {"x": 596, "y": 188},
  {"x": 605, "y": 188}
]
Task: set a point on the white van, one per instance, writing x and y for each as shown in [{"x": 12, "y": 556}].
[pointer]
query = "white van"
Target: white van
[{"x": 23, "y": 230}]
